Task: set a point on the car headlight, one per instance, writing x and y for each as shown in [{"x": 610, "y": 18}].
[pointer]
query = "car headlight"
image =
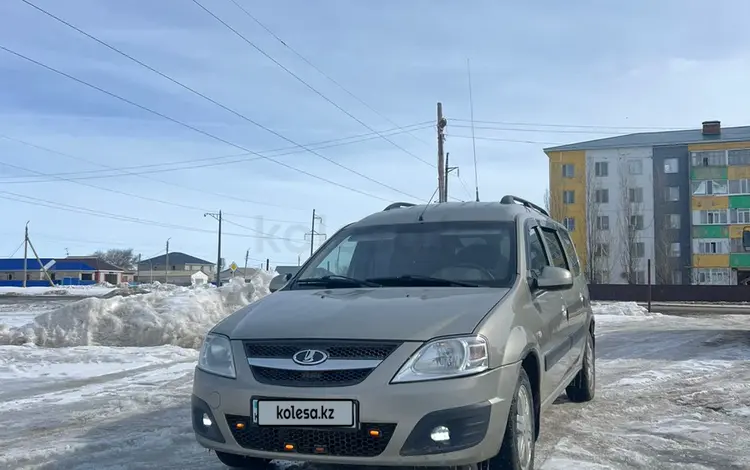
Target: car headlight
[
  {"x": 445, "y": 358},
  {"x": 216, "y": 356}
]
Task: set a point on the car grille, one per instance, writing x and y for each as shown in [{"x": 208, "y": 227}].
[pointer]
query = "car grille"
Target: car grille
[
  {"x": 337, "y": 442},
  {"x": 301, "y": 378},
  {"x": 348, "y": 350},
  {"x": 335, "y": 349}
]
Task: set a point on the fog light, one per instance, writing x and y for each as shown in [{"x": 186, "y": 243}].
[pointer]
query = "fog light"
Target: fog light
[
  {"x": 207, "y": 421},
  {"x": 440, "y": 434}
]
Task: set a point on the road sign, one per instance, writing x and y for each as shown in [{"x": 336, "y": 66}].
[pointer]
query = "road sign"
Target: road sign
[{"x": 233, "y": 266}]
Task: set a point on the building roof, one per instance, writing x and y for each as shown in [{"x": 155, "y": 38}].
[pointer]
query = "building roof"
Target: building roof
[
  {"x": 651, "y": 139},
  {"x": 16, "y": 265},
  {"x": 287, "y": 269},
  {"x": 96, "y": 263},
  {"x": 175, "y": 258}
]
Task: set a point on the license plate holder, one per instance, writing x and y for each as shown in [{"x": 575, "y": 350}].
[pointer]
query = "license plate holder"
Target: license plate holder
[{"x": 300, "y": 412}]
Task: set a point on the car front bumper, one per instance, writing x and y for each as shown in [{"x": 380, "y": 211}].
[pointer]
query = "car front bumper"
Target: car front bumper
[{"x": 474, "y": 409}]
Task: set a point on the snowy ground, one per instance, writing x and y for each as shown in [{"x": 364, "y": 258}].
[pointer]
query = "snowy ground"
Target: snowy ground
[{"x": 673, "y": 392}]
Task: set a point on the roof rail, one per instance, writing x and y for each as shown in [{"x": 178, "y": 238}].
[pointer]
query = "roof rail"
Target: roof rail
[
  {"x": 510, "y": 199},
  {"x": 399, "y": 205}
]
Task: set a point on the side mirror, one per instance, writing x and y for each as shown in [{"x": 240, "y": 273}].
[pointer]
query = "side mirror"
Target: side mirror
[
  {"x": 746, "y": 238},
  {"x": 554, "y": 278},
  {"x": 279, "y": 281}
]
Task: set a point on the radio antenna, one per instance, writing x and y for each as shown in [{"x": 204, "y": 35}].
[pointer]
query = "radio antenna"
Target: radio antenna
[
  {"x": 420, "y": 218},
  {"x": 473, "y": 138}
]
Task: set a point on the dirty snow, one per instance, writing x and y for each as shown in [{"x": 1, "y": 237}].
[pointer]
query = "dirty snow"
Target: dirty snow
[{"x": 673, "y": 392}]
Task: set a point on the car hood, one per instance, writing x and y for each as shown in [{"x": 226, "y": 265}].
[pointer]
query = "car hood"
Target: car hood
[{"x": 399, "y": 313}]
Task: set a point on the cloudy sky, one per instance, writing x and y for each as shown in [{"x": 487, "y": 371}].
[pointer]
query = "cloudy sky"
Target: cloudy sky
[{"x": 92, "y": 171}]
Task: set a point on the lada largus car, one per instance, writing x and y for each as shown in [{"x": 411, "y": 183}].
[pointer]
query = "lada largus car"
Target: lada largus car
[{"x": 430, "y": 335}]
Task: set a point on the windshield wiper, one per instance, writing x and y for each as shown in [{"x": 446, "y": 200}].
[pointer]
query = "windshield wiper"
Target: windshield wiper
[
  {"x": 416, "y": 280},
  {"x": 334, "y": 279}
]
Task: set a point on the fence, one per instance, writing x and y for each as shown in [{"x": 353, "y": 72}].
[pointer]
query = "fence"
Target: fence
[
  {"x": 669, "y": 293},
  {"x": 68, "y": 281}
]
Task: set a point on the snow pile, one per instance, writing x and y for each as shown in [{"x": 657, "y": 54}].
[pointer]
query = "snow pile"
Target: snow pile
[
  {"x": 628, "y": 309},
  {"x": 177, "y": 316}
]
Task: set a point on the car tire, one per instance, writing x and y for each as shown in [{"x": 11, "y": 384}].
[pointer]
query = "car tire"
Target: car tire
[
  {"x": 583, "y": 386},
  {"x": 519, "y": 441},
  {"x": 241, "y": 461}
]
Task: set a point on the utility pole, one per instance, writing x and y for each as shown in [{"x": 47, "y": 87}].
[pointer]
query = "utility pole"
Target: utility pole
[
  {"x": 166, "y": 264},
  {"x": 138, "y": 269},
  {"x": 217, "y": 216},
  {"x": 25, "y": 253},
  {"x": 247, "y": 257},
  {"x": 448, "y": 170},
  {"x": 441, "y": 123},
  {"x": 312, "y": 232}
]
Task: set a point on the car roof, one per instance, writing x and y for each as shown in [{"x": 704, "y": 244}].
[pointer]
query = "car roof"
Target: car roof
[{"x": 491, "y": 211}]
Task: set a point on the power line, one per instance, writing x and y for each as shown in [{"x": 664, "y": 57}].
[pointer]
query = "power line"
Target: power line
[
  {"x": 211, "y": 161},
  {"x": 16, "y": 250},
  {"x": 547, "y": 131},
  {"x": 304, "y": 59},
  {"x": 581, "y": 126},
  {"x": 108, "y": 215},
  {"x": 310, "y": 87},
  {"x": 124, "y": 193},
  {"x": 497, "y": 139},
  {"x": 183, "y": 124},
  {"x": 226, "y": 108}
]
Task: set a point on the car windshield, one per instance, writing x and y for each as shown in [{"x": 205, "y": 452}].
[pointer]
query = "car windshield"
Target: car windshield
[{"x": 448, "y": 254}]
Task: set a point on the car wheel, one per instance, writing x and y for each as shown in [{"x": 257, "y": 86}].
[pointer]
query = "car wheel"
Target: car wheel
[
  {"x": 519, "y": 442},
  {"x": 240, "y": 461},
  {"x": 583, "y": 386}
]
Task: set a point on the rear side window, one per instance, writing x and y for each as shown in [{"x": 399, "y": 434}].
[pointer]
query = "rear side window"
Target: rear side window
[
  {"x": 537, "y": 257},
  {"x": 556, "y": 250},
  {"x": 570, "y": 251}
]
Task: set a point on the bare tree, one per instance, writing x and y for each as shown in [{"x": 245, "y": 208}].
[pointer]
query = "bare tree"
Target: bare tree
[
  {"x": 599, "y": 257},
  {"x": 553, "y": 202},
  {"x": 663, "y": 237},
  {"x": 631, "y": 222}
]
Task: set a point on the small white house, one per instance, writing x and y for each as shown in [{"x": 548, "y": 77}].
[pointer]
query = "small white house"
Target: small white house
[{"x": 199, "y": 278}]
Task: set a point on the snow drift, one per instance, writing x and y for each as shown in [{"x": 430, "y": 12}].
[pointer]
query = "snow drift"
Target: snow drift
[{"x": 177, "y": 316}]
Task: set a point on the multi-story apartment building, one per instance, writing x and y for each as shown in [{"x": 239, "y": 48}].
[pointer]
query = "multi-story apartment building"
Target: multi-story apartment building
[{"x": 679, "y": 198}]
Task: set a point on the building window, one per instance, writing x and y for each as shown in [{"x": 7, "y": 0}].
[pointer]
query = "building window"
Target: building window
[
  {"x": 709, "y": 158},
  {"x": 714, "y": 276},
  {"x": 672, "y": 193},
  {"x": 601, "y": 169},
  {"x": 677, "y": 277},
  {"x": 635, "y": 195},
  {"x": 601, "y": 250},
  {"x": 570, "y": 223},
  {"x": 10, "y": 277},
  {"x": 569, "y": 197},
  {"x": 716, "y": 217},
  {"x": 709, "y": 187},
  {"x": 602, "y": 222},
  {"x": 635, "y": 167},
  {"x": 636, "y": 221},
  {"x": 601, "y": 196},
  {"x": 739, "y": 157},
  {"x": 712, "y": 247},
  {"x": 739, "y": 186},
  {"x": 673, "y": 221},
  {"x": 568, "y": 170},
  {"x": 671, "y": 165},
  {"x": 640, "y": 277},
  {"x": 674, "y": 250},
  {"x": 739, "y": 216},
  {"x": 638, "y": 250}
]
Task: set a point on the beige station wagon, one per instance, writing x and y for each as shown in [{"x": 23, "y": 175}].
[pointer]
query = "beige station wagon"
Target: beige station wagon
[{"x": 422, "y": 335}]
